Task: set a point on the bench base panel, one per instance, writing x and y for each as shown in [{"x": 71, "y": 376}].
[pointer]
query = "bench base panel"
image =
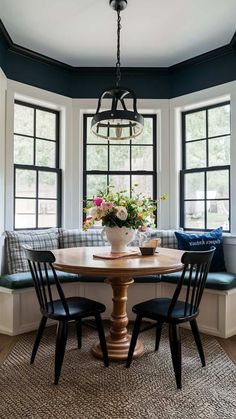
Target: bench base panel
[{"x": 19, "y": 311}]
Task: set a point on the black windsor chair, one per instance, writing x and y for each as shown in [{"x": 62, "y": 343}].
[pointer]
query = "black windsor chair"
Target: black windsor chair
[
  {"x": 174, "y": 311},
  {"x": 62, "y": 309}
]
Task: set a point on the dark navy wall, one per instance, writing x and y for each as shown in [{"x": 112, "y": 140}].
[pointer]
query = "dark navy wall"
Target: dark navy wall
[
  {"x": 210, "y": 69},
  {"x": 3, "y": 52},
  {"x": 48, "y": 76},
  {"x": 146, "y": 82}
]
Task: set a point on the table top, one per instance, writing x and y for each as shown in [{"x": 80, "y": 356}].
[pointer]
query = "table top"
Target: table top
[{"x": 81, "y": 260}]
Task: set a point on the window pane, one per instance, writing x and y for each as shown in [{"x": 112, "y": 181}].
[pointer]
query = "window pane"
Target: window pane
[
  {"x": 47, "y": 185},
  {"x": 194, "y": 214},
  {"x": 195, "y": 154},
  {"x": 119, "y": 158},
  {"x": 47, "y": 213},
  {"x": 92, "y": 138},
  {"x": 25, "y": 213},
  {"x": 144, "y": 184},
  {"x": 218, "y": 214},
  {"x": 219, "y": 121},
  {"x": 114, "y": 132},
  {"x": 95, "y": 184},
  {"x": 23, "y": 120},
  {"x": 120, "y": 182},
  {"x": 45, "y": 124},
  {"x": 23, "y": 150},
  {"x": 146, "y": 137},
  {"x": 194, "y": 186},
  {"x": 25, "y": 183},
  {"x": 142, "y": 158},
  {"x": 218, "y": 184},
  {"x": 219, "y": 151},
  {"x": 97, "y": 157},
  {"x": 195, "y": 125},
  {"x": 45, "y": 153}
]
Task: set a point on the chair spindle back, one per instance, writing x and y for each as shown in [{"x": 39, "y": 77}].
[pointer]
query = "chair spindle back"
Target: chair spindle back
[
  {"x": 194, "y": 276},
  {"x": 40, "y": 263}
]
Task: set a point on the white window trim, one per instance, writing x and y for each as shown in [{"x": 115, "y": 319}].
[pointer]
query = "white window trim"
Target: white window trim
[{"x": 205, "y": 97}]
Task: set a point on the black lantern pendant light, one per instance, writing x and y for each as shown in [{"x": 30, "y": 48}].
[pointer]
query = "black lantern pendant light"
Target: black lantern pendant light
[{"x": 117, "y": 123}]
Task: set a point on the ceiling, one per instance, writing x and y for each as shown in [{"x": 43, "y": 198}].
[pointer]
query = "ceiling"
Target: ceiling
[{"x": 155, "y": 33}]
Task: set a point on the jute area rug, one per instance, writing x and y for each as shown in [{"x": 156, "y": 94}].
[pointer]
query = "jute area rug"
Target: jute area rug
[{"x": 87, "y": 390}]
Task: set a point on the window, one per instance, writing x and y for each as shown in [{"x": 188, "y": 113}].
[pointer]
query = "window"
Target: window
[
  {"x": 205, "y": 178},
  {"x": 120, "y": 163},
  {"x": 37, "y": 177}
]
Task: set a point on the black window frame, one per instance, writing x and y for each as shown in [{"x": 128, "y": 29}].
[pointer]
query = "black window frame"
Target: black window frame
[
  {"x": 38, "y": 169},
  {"x": 204, "y": 170},
  {"x": 108, "y": 172}
]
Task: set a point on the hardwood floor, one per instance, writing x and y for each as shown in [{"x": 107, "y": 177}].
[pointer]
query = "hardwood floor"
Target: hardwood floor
[
  {"x": 7, "y": 343},
  {"x": 229, "y": 345}
]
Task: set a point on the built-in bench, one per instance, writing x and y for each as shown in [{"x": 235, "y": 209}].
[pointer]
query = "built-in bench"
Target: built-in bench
[{"x": 19, "y": 310}]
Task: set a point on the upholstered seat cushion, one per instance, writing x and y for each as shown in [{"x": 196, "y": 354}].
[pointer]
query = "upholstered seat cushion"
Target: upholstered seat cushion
[
  {"x": 24, "y": 279},
  {"x": 215, "y": 280}
]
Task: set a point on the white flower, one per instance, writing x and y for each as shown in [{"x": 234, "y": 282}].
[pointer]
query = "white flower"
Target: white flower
[
  {"x": 121, "y": 213},
  {"x": 93, "y": 212}
]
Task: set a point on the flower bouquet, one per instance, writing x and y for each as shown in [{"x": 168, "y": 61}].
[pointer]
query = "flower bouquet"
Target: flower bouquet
[{"x": 116, "y": 209}]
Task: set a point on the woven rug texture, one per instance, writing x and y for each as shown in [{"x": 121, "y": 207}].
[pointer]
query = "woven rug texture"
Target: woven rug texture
[{"x": 88, "y": 390}]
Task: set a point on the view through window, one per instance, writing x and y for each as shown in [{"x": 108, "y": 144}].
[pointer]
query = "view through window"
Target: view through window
[
  {"x": 120, "y": 163},
  {"x": 37, "y": 175},
  {"x": 205, "y": 178}
]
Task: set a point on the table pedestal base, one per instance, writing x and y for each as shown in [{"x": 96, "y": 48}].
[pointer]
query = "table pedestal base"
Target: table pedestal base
[
  {"x": 118, "y": 341},
  {"x": 118, "y": 350}
]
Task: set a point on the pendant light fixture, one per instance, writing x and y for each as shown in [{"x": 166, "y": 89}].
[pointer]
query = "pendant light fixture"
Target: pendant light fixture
[{"x": 118, "y": 122}]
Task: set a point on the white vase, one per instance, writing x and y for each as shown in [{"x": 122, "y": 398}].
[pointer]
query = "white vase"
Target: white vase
[{"x": 119, "y": 237}]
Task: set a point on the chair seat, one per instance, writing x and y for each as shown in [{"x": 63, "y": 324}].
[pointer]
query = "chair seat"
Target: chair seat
[
  {"x": 157, "y": 309},
  {"x": 78, "y": 306}
]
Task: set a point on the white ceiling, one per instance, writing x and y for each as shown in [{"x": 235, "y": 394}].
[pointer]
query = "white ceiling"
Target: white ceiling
[{"x": 155, "y": 32}]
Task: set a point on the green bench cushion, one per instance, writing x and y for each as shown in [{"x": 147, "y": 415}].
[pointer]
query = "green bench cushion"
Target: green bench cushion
[
  {"x": 24, "y": 279},
  {"x": 215, "y": 280}
]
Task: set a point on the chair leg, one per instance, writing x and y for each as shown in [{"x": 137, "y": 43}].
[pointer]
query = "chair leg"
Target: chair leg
[
  {"x": 175, "y": 347},
  {"x": 198, "y": 342},
  {"x": 39, "y": 335},
  {"x": 78, "y": 324},
  {"x": 102, "y": 339},
  {"x": 133, "y": 341},
  {"x": 62, "y": 332},
  {"x": 158, "y": 335}
]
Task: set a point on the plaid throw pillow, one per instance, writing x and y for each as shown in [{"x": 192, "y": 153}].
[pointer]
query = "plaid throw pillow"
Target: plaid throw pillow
[
  {"x": 79, "y": 238},
  {"x": 38, "y": 240},
  {"x": 168, "y": 238}
]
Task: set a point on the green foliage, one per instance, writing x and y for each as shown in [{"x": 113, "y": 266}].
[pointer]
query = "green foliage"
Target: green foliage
[{"x": 116, "y": 209}]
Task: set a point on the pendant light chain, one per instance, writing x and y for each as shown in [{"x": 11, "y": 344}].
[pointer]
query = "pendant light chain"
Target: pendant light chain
[
  {"x": 121, "y": 120},
  {"x": 118, "y": 72}
]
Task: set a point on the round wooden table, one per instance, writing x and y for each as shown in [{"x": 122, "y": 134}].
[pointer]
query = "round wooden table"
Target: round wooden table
[{"x": 119, "y": 274}]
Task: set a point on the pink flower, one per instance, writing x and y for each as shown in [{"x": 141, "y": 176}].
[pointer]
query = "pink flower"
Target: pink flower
[
  {"x": 97, "y": 201},
  {"x": 107, "y": 206}
]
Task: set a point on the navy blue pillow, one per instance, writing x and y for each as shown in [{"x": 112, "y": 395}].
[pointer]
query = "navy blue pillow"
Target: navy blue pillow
[{"x": 204, "y": 241}]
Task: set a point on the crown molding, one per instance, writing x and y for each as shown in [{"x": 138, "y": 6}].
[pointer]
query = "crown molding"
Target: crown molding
[
  {"x": 207, "y": 56},
  {"x": 18, "y": 49},
  {"x": 203, "y": 58},
  {"x": 233, "y": 41},
  {"x": 5, "y": 34}
]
